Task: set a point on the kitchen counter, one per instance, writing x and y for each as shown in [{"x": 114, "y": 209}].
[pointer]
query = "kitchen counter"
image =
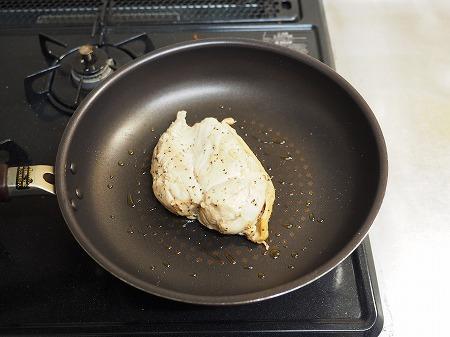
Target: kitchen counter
[{"x": 397, "y": 55}]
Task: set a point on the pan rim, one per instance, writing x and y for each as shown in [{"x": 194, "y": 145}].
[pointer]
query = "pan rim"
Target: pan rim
[{"x": 61, "y": 167}]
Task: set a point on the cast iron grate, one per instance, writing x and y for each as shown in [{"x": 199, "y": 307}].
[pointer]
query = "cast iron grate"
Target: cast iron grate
[{"x": 68, "y": 12}]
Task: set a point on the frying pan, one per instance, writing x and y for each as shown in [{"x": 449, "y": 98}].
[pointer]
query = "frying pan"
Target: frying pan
[{"x": 311, "y": 130}]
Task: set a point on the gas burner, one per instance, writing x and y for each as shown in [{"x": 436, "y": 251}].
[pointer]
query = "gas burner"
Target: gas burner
[
  {"x": 71, "y": 75},
  {"x": 90, "y": 66}
]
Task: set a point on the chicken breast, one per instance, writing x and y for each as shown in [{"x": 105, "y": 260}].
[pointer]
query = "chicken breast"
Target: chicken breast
[{"x": 207, "y": 172}]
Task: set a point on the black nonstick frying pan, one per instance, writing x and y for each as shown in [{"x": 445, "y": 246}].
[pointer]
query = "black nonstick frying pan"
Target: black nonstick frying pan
[{"x": 311, "y": 130}]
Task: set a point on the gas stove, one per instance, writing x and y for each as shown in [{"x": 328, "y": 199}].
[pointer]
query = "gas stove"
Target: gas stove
[{"x": 54, "y": 53}]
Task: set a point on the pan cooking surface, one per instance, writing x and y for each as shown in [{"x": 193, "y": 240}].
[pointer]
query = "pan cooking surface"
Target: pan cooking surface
[{"x": 307, "y": 131}]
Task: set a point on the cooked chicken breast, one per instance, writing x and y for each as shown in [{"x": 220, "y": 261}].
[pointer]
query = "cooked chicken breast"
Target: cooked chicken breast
[{"x": 207, "y": 172}]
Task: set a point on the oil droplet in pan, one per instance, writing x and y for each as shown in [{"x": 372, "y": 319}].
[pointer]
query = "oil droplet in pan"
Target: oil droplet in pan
[
  {"x": 193, "y": 274},
  {"x": 274, "y": 253},
  {"x": 109, "y": 186},
  {"x": 120, "y": 163},
  {"x": 261, "y": 275},
  {"x": 167, "y": 265},
  {"x": 287, "y": 226},
  {"x": 130, "y": 152},
  {"x": 130, "y": 201},
  {"x": 295, "y": 255},
  {"x": 291, "y": 267}
]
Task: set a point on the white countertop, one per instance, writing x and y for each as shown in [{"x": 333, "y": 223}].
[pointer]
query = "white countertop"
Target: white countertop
[{"x": 397, "y": 55}]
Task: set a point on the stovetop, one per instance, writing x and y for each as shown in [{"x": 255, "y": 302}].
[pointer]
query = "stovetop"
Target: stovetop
[{"x": 50, "y": 286}]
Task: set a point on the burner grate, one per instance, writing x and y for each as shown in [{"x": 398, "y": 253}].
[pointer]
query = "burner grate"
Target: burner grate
[
  {"x": 78, "y": 70},
  {"x": 66, "y": 12},
  {"x": 74, "y": 91}
]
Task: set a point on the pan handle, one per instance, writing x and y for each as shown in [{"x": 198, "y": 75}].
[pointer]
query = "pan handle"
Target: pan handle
[{"x": 26, "y": 180}]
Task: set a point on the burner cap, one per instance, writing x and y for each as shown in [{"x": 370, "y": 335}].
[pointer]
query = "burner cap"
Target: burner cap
[
  {"x": 90, "y": 60},
  {"x": 86, "y": 49},
  {"x": 91, "y": 65}
]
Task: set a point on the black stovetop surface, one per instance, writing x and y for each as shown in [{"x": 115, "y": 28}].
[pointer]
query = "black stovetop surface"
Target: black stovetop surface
[{"x": 49, "y": 285}]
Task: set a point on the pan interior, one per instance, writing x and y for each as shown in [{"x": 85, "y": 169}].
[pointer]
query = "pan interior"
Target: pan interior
[{"x": 307, "y": 131}]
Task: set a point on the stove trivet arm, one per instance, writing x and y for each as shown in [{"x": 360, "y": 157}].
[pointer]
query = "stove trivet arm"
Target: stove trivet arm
[
  {"x": 31, "y": 93},
  {"x": 149, "y": 46},
  {"x": 48, "y": 53},
  {"x": 26, "y": 180},
  {"x": 76, "y": 100},
  {"x": 101, "y": 22}
]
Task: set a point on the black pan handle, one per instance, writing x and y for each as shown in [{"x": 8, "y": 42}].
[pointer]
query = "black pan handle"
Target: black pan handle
[{"x": 26, "y": 180}]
